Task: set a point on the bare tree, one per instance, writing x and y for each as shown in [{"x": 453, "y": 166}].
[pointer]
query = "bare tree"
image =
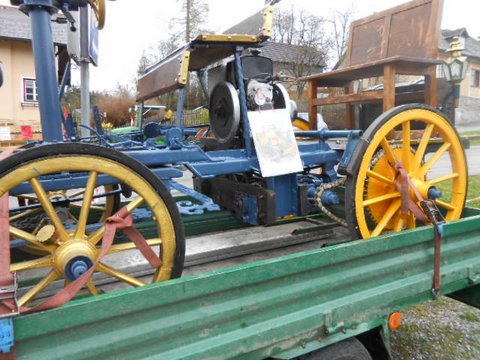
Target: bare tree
[
  {"x": 341, "y": 28},
  {"x": 307, "y": 33},
  {"x": 193, "y": 17}
]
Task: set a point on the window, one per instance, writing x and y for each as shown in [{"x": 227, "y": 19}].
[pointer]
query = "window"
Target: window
[
  {"x": 30, "y": 93},
  {"x": 475, "y": 80}
]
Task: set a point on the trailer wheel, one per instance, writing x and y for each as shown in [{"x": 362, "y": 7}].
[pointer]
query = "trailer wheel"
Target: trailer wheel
[
  {"x": 68, "y": 245},
  {"x": 349, "y": 349},
  {"x": 431, "y": 152}
]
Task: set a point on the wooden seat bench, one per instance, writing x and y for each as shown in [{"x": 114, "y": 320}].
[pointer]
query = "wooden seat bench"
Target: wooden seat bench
[{"x": 399, "y": 41}]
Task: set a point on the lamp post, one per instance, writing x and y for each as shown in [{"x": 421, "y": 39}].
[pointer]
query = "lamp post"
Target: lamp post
[{"x": 455, "y": 67}]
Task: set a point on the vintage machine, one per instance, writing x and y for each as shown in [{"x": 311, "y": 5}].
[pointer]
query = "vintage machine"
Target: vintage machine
[{"x": 68, "y": 198}]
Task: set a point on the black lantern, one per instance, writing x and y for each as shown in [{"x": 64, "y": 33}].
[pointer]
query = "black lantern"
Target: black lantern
[{"x": 455, "y": 68}]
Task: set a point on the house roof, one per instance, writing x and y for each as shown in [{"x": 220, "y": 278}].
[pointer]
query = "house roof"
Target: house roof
[
  {"x": 15, "y": 25},
  {"x": 472, "y": 45},
  {"x": 285, "y": 53}
]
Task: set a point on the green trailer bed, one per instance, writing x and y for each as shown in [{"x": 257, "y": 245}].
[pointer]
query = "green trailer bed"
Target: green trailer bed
[{"x": 278, "y": 308}]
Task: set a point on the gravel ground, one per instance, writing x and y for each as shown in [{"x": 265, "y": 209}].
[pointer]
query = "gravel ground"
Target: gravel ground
[{"x": 445, "y": 330}]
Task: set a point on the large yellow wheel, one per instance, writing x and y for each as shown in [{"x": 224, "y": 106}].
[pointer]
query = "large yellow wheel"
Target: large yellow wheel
[
  {"x": 68, "y": 247},
  {"x": 423, "y": 140}
]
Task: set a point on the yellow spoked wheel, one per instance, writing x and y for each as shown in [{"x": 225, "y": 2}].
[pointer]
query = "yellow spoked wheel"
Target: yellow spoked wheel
[
  {"x": 98, "y": 7},
  {"x": 67, "y": 247},
  {"x": 29, "y": 215},
  {"x": 430, "y": 150}
]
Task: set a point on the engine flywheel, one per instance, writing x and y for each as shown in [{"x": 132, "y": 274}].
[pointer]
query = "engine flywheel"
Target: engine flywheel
[{"x": 224, "y": 112}]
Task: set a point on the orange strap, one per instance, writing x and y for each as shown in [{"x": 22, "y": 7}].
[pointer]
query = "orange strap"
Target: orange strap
[
  {"x": 408, "y": 204},
  {"x": 122, "y": 220}
]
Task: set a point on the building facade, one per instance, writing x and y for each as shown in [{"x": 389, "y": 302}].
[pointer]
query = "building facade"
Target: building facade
[
  {"x": 469, "y": 106},
  {"x": 18, "y": 95}
]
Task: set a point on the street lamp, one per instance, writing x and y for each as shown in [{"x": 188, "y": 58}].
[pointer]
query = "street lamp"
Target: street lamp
[{"x": 455, "y": 67}]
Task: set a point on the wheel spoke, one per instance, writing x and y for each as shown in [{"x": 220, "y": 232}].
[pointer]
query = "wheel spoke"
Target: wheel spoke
[
  {"x": 96, "y": 236},
  {"x": 406, "y": 133},
  {"x": 25, "y": 214},
  {"x": 43, "y": 262},
  {"x": 389, "y": 151},
  {"x": 392, "y": 209},
  {"x": 49, "y": 209},
  {"x": 433, "y": 160},
  {"x": 399, "y": 222},
  {"x": 445, "y": 205},
  {"x": 442, "y": 179},
  {"x": 381, "y": 198},
  {"x": 21, "y": 234},
  {"x": 119, "y": 275},
  {"x": 92, "y": 207},
  {"x": 130, "y": 245},
  {"x": 87, "y": 199},
  {"x": 38, "y": 288},
  {"x": 422, "y": 146},
  {"x": 411, "y": 222},
  {"x": 92, "y": 288},
  {"x": 379, "y": 177}
]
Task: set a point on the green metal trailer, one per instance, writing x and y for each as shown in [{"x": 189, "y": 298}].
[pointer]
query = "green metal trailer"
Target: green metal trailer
[{"x": 280, "y": 308}]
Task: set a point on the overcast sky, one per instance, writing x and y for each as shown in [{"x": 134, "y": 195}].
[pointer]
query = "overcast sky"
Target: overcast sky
[{"x": 133, "y": 25}]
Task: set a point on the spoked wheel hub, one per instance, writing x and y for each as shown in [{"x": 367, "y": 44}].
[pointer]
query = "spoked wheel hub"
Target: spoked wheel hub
[{"x": 74, "y": 258}]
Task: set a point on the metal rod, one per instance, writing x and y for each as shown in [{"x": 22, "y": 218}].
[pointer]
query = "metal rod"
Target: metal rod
[
  {"x": 84, "y": 70},
  {"x": 243, "y": 102},
  {"x": 46, "y": 76}
]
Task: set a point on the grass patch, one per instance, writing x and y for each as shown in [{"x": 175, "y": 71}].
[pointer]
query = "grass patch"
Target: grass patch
[
  {"x": 469, "y": 315},
  {"x": 473, "y": 190},
  {"x": 472, "y": 133}
]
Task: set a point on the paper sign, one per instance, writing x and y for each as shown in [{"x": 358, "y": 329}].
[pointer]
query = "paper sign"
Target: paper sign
[
  {"x": 27, "y": 132},
  {"x": 275, "y": 143},
  {"x": 5, "y": 133}
]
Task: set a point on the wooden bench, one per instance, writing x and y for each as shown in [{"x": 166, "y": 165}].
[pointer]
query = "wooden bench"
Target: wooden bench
[{"x": 401, "y": 40}]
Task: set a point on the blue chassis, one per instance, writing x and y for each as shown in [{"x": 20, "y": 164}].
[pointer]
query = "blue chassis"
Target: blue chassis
[{"x": 165, "y": 162}]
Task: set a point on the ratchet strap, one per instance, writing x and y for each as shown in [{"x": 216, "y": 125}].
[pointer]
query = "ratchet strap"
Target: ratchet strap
[
  {"x": 122, "y": 220},
  {"x": 427, "y": 212}
]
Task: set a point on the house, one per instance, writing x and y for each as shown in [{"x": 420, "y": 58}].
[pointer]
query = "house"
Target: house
[
  {"x": 295, "y": 61},
  {"x": 469, "y": 105},
  {"x": 18, "y": 95}
]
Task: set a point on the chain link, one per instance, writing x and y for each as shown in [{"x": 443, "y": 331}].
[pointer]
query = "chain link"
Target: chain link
[{"x": 318, "y": 199}]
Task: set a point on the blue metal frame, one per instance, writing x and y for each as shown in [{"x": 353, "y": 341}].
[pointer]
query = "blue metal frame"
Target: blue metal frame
[{"x": 178, "y": 151}]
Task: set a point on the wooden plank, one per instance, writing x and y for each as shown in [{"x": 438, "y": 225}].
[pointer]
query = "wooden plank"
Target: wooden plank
[
  {"x": 341, "y": 77},
  {"x": 368, "y": 97},
  {"x": 388, "y": 87},
  {"x": 312, "y": 113}
]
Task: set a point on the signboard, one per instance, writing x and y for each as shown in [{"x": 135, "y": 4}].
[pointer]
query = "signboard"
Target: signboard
[
  {"x": 74, "y": 44},
  {"x": 275, "y": 142},
  {"x": 5, "y": 133},
  {"x": 93, "y": 38}
]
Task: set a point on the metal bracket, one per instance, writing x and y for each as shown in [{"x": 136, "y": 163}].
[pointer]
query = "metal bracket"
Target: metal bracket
[
  {"x": 432, "y": 212},
  {"x": 7, "y": 340},
  {"x": 188, "y": 207},
  {"x": 9, "y": 293}
]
